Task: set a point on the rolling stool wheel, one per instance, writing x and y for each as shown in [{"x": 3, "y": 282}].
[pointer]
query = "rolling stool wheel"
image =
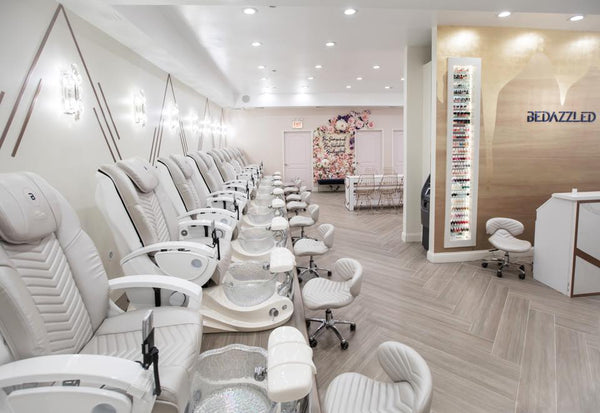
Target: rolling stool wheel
[
  {"x": 312, "y": 342},
  {"x": 484, "y": 264},
  {"x": 499, "y": 273},
  {"x": 522, "y": 272},
  {"x": 307, "y": 325},
  {"x": 353, "y": 327},
  {"x": 329, "y": 273},
  {"x": 344, "y": 345}
]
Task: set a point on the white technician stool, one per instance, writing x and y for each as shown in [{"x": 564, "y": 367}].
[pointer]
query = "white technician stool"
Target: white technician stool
[
  {"x": 325, "y": 294},
  {"x": 409, "y": 392},
  {"x": 504, "y": 233}
]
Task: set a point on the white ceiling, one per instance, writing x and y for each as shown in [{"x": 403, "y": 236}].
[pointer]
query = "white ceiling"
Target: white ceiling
[{"x": 207, "y": 44}]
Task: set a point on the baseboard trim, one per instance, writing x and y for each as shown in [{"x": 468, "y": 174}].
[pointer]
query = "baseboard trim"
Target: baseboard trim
[
  {"x": 461, "y": 256},
  {"x": 411, "y": 237}
]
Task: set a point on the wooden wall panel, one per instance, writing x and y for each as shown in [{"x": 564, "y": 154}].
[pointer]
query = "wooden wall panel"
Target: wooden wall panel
[{"x": 521, "y": 163}]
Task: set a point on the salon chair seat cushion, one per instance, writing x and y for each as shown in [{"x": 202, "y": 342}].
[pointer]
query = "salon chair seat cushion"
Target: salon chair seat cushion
[
  {"x": 177, "y": 335},
  {"x": 301, "y": 221},
  {"x": 296, "y": 205},
  {"x": 505, "y": 241},
  {"x": 308, "y": 246},
  {"x": 322, "y": 293},
  {"x": 355, "y": 393}
]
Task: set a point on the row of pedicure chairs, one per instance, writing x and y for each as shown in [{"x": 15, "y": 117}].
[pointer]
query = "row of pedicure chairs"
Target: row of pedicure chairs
[{"x": 202, "y": 240}]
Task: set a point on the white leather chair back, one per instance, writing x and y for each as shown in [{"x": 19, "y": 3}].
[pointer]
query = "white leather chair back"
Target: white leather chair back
[
  {"x": 207, "y": 167},
  {"x": 188, "y": 182},
  {"x": 513, "y": 226},
  {"x": 53, "y": 288},
  {"x": 351, "y": 271},
  {"x": 326, "y": 231},
  {"x": 219, "y": 161},
  {"x": 223, "y": 161},
  {"x": 148, "y": 205},
  {"x": 403, "y": 363},
  {"x": 313, "y": 210}
]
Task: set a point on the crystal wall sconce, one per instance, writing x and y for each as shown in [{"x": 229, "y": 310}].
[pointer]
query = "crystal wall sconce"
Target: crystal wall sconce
[
  {"x": 139, "y": 108},
  {"x": 171, "y": 114},
  {"x": 71, "y": 92}
]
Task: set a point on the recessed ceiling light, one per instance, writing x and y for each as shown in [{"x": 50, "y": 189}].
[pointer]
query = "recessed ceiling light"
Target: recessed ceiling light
[
  {"x": 263, "y": 78},
  {"x": 359, "y": 78},
  {"x": 330, "y": 44},
  {"x": 349, "y": 12},
  {"x": 402, "y": 79},
  {"x": 261, "y": 66},
  {"x": 250, "y": 11},
  {"x": 310, "y": 77},
  {"x": 376, "y": 67},
  {"x": 256, "y": 44},
  {"x": 348, "y": 87},
  {"x": 303, "y": 87},
  {"x": 318, "y": 67},
  {"x": 576, "y": 18},
  {"x": 504, "y": 14},
  {"x": 388, "y": 87}
]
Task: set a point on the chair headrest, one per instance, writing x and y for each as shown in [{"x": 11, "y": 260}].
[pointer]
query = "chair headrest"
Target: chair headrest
[
  {"x": 140, "y": 172},
  {"x": 182, "y": 163},
  {"x": 26, "y": 212},
  {"x": 206, "y": 159}
]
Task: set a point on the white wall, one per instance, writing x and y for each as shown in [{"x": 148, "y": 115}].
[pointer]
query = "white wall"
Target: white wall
[
  {"x": 66, "y": 152},
  {"x": 259, "y": 132},
  {"x": 415, "y": 58}
]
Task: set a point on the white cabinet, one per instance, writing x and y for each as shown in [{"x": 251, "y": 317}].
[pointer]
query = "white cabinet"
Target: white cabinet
[{"x": 567, "y": 243}]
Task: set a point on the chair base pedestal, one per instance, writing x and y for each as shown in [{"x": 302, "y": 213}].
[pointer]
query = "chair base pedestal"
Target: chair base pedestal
[
  {"x": 502, "y": 263},
  {"x": 311, "y": 269},
  {"x": 328, "y": 323}
]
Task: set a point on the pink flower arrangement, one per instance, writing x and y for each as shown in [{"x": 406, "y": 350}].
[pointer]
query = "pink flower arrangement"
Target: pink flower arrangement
[{"x": 330, "y": 159}]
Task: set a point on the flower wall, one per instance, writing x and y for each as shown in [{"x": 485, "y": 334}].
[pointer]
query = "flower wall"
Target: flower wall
[{"x": 334, "y": 142}]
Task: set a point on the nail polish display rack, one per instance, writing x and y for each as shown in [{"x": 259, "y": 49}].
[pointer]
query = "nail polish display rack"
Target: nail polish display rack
[{"x": 464, "y": 85}]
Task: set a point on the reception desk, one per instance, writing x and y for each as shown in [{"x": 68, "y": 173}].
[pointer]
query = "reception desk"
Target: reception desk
[
  {"x": 567, "y": 243},
  {"x": 352, "y": 180}
]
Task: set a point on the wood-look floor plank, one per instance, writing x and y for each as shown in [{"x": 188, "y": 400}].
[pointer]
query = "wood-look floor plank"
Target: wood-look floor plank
[
  {"x": 537, "y": 385},
  {"x": 576, "y": 392},
  {"x": 472, "y": 296},
  {"x": 511, "y": 331},
  {"x": 448, "y": 313},
  {"x": 487, "y": 315}
]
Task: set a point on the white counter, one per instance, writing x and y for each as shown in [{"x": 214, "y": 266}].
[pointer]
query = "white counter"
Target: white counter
[
  {"x": 567, "y": 243},
  {"x": 578, "y": 196}
]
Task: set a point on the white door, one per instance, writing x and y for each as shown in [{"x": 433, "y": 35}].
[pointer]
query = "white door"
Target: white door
[
  {"x": 398, "y": 145},
  {"x": 369, "y": 151},
  {"x": 297, "y": 159}
]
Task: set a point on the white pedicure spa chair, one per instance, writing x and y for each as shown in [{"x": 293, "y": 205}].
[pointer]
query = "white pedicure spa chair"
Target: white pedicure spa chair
[{"x": 66, "y": 347}]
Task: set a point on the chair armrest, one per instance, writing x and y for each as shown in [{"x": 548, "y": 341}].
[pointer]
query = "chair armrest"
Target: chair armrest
[
  {"x": 188, "y": 260},
  {"x": 403, "y": 363},
  {"x": 224, "y": 192},
  {"x": 208, "y": 211},
  {"x": 226, "y": 230},
  {"x": 191, "y": 290},
  {"x": 94, "y": 372}
]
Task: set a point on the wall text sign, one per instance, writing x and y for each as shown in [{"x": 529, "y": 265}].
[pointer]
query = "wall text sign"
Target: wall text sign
[{"x": 563, "y": 116}]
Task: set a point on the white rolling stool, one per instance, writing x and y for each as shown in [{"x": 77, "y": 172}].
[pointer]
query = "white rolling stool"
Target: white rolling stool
[
  {"x": 308, "y": 247},
  {"x": 324, "y": 294},
  {"x": 504, "y": 233},
  {"x": 297, "y": 206},
  {"x": 303, "y": 221},
  {"x": 409, "y": 392}
]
